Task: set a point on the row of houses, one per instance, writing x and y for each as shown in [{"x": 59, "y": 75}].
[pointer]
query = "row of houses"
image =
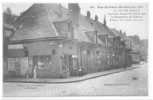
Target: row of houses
[{"x": 50, "y": 41}]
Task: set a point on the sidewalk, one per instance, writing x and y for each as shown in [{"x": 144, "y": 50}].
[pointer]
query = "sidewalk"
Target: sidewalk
[{"x": 71, "y": 79}]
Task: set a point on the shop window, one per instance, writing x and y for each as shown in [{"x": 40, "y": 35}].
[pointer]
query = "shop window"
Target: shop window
[
  {"x": 64, "y": 63},
  {"x": 43, "y": 61},
  {"x": 84, "y": 52}
]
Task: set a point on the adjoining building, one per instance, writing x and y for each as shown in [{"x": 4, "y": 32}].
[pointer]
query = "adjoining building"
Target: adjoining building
[{"x": 51, "y": 41}]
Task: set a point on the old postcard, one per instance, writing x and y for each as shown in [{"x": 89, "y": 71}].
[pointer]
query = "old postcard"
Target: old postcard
[{"x": 75, "y": 49}]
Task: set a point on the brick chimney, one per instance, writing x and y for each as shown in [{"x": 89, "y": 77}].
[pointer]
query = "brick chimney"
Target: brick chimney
[
  {"x": 105, "y": 23},
  {"x": 74, "y": 12}
]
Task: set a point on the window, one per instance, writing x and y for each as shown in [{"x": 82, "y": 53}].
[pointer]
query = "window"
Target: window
[
  {"x": 43, "y": 61},
  {"x": 64, "y": 28},
  {"x": 70, "y": 47},
  {"x": 91, "y": 23},
  {"x": 98, "y": 53},
  {"x": 88, "y": 52},
  {"x": 53, "y": 51}
]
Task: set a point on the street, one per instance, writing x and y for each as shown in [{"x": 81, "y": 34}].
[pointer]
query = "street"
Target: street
[{"x": 127, "y": 83}]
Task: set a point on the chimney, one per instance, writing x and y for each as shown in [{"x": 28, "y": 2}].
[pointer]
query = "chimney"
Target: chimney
[
  {"x": 96, "y": 18},
  {"x": 74, "y": 12},
  {"x": 105, "y": 23},
  {"x": 120, "y": 31},
  {"x": 88, "y": 14}
]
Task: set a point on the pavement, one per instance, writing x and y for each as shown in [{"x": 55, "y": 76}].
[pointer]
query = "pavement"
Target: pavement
[
  {"x": 123, "y": 83},
  {"x": 70, "y": 79}
]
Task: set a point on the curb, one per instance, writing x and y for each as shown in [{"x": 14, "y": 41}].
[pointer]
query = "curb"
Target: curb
[{"x": 72, "y": 79}]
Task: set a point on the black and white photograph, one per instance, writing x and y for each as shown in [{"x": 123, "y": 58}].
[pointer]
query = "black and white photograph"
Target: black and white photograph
[{"x": 75, "y": 49}]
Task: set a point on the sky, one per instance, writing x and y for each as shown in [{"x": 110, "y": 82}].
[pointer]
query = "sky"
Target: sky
[{"x": 110, "y": 11}]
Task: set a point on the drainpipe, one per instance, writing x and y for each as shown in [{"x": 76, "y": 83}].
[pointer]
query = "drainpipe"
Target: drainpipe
[
  {"x": 106, "y": 41},
  {"x": 35, "y": 72},
  {"x": 96, "y": 37}
]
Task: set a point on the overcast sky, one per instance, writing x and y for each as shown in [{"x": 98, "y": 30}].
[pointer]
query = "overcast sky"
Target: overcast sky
[{"x": 139, "y": 28}]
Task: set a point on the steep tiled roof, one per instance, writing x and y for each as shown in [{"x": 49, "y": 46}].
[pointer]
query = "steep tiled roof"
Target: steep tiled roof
[
  {"x": 89, "y": 26},
  {"x": 80, "y": 35},
  {"x": 103, "y": 29},
  {"x": 86, "y": 29},
  {"x": 37, "y": 21},
  {"x": 82, "y": 28},
  {"x": 118, "y": 33},
  {"x": 85, "y": 23}
]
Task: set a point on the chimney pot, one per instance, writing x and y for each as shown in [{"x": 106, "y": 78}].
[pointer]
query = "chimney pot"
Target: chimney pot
[
  {"x": 96, "y": 18},
  {"x": 88, "y": 14}
]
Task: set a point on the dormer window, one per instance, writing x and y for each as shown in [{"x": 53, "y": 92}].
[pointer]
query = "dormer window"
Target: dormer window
[
  {"x": 91, "y": 23},
  {"x": 64, "y": 28}
]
